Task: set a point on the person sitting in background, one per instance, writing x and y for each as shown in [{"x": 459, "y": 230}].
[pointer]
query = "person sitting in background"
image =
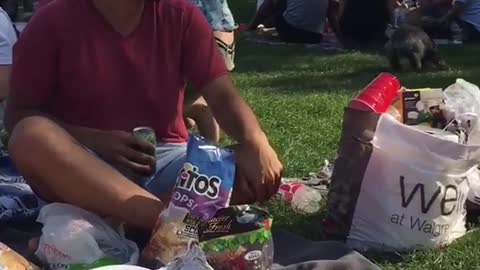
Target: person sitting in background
[
  {"x": 8, "y": 37},
  {"x": 467, "y": 13},
  {"x": 221, "y": 21},
  {"x": 430, "y": 12},
  {"x": 424, "y": 13},
  {"x": 435, "y": 8},
  {"x": 196, "y": 110},
  {"x": 363, "y": 23},
  {"x": 297, "y": 21}
]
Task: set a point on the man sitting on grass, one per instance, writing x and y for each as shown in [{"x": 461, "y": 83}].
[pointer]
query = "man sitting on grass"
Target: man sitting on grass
[{"x": 86, "y": 72}]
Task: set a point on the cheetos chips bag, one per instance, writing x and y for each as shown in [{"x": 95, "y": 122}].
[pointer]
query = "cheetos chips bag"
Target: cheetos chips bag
[{"x": 203, "y": 187}]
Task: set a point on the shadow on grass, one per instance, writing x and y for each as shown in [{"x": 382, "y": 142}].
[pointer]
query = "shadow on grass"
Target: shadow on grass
[
  {"x": 382, "y": 258},
  {"x": 297, "y": 70},
  {"x": 310, "y": 227},
  {"x": 307, "y": 225},
  {"x": 292, "y": 69}
]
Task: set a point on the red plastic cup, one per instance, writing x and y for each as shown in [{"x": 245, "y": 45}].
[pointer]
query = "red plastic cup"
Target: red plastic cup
[{"x": 378, "y": 95}]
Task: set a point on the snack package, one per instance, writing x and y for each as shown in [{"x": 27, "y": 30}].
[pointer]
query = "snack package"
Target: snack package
[
  {"x": 203, "y": 187},
  {"x": 419, "y": 106},
  {"x": 10, "y": 260},
  {"x": 238, "y": 238},
  {"x": 76, "y": 239}
]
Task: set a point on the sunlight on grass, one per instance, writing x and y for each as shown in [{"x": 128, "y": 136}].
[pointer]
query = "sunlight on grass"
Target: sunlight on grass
[{"x": 299, "y": 95}]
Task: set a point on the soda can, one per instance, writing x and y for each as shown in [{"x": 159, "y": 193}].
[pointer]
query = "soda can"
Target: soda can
[{"x": 146, "y": 134}]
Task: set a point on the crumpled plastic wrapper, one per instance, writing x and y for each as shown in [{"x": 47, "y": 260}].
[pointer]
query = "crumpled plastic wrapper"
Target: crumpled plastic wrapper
[{"x": 195, "y": 259}]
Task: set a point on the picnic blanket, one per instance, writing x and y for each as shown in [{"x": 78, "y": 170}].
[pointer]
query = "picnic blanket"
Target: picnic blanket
[
  {"x": 291, "y": 251},
  {"x": 18, "y": 203},
  {"x": 19, "y": 207},
  {"x": 269, "y": 36}
]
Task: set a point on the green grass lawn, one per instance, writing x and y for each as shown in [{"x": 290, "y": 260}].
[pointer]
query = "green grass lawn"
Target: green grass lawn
[{"x": 299, "y": 95}]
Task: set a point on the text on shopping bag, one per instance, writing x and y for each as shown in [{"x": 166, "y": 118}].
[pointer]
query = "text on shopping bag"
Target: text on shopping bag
[{"x": 451, "y": 200}]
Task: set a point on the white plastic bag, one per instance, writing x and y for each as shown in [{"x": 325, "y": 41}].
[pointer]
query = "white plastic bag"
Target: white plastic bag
[
  {"x": 73, "y": 238},
  {"x": 395, "y": 187},
  {"x": 462, "y": 97}
]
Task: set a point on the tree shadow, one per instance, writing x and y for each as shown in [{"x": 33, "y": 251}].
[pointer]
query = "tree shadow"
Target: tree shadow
[
  {"x": 295, "y": 70},
  {"x": 308, "y": 226}
]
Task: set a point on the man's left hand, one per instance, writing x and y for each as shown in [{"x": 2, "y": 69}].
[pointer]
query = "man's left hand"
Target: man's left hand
[{"x": 259, "y": 168}]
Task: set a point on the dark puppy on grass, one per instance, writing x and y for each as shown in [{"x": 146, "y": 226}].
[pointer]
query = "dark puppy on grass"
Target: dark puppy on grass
[{"x": 413, "y": 43}]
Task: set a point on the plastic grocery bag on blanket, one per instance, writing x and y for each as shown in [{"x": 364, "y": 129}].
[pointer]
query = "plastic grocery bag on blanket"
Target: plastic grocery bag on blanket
[
  {"x": 73, "y": 238},
  {"x": 395, "y": 187}
]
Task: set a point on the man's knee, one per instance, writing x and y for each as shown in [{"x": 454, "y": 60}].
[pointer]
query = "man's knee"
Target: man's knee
[{"x": 30, "y": 134}]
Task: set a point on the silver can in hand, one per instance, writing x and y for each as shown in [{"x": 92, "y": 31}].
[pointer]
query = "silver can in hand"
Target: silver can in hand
[{"x": 146, "y": 134}]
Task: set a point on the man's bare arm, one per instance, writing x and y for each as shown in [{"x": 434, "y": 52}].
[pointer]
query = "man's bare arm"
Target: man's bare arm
[
  {"x": 232, "y": 113},
  {"x": 257, "y": 162}
]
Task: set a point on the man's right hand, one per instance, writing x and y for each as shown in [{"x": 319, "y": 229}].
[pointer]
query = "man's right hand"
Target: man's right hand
[{"x": 123, "y": 151}]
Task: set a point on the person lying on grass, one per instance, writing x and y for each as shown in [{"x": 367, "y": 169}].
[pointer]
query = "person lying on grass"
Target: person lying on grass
[{"x": 86, "y": 72}]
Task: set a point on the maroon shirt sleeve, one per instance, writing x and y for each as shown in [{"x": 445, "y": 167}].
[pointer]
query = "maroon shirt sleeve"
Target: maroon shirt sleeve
[
  {"x": 202, "y": 62},
  {"x": 34, "y": 68}
]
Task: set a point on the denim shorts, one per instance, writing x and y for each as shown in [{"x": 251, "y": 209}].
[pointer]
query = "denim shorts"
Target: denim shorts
[
  {"x": 170, "y": 159},
  {"x": 218, "y": 14}
]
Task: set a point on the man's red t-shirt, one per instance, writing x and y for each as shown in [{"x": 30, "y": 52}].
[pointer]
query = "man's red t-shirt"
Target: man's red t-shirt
[{"x": 70, "y": 62}]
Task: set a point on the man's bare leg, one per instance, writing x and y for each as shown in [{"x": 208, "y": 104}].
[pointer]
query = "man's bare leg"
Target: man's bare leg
[
  {"x": 59, "y": 169},
  {"x": 204, "y": 119},
  {"x": 227, "y": 37}
]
